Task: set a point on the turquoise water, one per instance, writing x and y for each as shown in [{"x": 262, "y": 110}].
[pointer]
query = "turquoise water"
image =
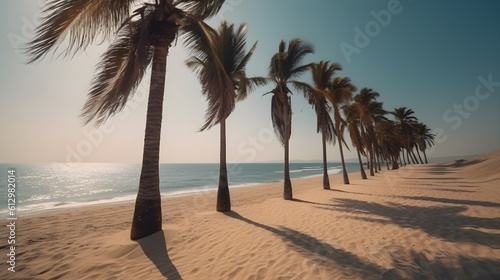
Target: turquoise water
[{"x": 41, "y": 187}]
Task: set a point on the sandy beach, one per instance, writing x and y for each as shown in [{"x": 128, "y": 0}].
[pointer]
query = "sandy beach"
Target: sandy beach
[{"x": 436, "y": 221}]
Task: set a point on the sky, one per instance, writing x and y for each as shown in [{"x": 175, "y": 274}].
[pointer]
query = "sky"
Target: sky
[{"x": 439, "y": 58}]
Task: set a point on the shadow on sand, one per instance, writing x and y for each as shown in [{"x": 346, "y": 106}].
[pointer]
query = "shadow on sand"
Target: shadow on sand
[
  {"x": 414, "y": 265},
  {"x": 459, "y": 163},
  {"x": 309, "y": 202},
  {"x": 453, "y": 201},
  {"x": 155, "y": 249},
  {"x": 319, "y": 252},
  {"x": 443, "y": 222}
]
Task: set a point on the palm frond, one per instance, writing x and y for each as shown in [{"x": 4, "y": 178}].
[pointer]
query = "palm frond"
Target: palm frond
[
  {"x": 246, "y": 85},
  {"x": 78, "y": 21},
  {"x": 119, "y": 73},
  {"x": 297, "y": 50},
  {"x": 219, "y": 59},
  {"x": 202, "y": 9},
  {"x": 278, "y": 117},
  {"x": 205, "y": 48},
  {"x": 324, "y": 123},
  {"x": 308, "y": 90},
  {"x": 241, "y": 62}
]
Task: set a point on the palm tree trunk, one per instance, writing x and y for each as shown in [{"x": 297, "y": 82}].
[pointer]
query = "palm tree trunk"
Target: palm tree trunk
[
  {"x": 372, "y": 173},
  {"x": 362, "y": 170},
  {"x": 408, "y": 155},
  {"x": 344, "y": 171},
  {"x": 378, "y": 161},
  {"x": 419, "y": 157},
  {"x": 326, "y": 180},
  {"x": 287, "y": 188},
  {"x": 147, "y": 213},
  {"x": 425, "y": 157},
  {"x": 223, "y": 197},
  {"x": 413, "y": 157},
  {"x": 395, "y": 163}
]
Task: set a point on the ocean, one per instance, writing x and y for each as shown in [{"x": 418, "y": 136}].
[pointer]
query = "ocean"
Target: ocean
[{"x": 43, "y": 187}]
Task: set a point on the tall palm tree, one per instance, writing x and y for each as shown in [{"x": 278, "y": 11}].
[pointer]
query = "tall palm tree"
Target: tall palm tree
[
  {"x": 390, "y": 141},
  {"x": 140, "y": 39},
  {"x": 406, "y": 120},
  {"x": 322, "y": 74},
  {"x": 353, "y": 124},
  {"x": 368, "y": 110},
  {"x": 340, "y": 93},
  {"x": 286, "y": 65},
  {"x": 219, "y": 60},
  {"x": 424, "y": 138}
]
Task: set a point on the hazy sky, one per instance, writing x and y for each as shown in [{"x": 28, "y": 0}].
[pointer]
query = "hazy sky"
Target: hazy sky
[{"x": 440, "y": 58}]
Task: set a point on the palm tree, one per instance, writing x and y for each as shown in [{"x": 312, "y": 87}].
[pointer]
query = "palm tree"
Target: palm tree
[
  {"x": 353, "y": 124},
  {"x": 219, "y": 60},
  {"x": 405, "y": 120},
  {"x": 285, "y": 65},
  {"x": 140, "y": 39},
  {"x": 390, "y": 141},
  {"x": 339, "y": 94},
  {"x": 424, "y": 138},
  {"x": 322, "y": 74},
  {"x": 368, "y": 110}
]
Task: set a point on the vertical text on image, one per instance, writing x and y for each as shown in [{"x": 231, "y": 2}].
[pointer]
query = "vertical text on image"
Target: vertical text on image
[{"x": 11, "y": 219}]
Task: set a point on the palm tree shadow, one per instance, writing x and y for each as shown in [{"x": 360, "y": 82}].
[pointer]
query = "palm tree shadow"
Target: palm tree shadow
[
  {"x": 309, "y": 202},
  {"x": 415, "y": 265},
  {"x": 443, "y": 222},
  {"x": 318, "y": 252},
  {"x": 155, "y": 248},
  {"x": 460, "y": 163},
  {"x": 337, "y": 190}
]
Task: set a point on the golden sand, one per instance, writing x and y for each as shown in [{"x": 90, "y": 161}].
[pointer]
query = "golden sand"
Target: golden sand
[{"x": 436, "y": 221}]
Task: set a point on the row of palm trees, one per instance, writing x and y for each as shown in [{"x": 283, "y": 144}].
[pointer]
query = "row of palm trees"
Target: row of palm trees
[{"x": 218, "y": 57}]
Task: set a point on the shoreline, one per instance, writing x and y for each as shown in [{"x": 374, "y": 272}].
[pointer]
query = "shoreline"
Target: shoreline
[
  {"x": 439, "y": 220},
  {"x": 130, "y": 198},
  {"x": 194, "y": 194}
]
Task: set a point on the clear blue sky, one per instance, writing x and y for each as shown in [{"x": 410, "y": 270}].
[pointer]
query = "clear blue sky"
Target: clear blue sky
[{"x": 428, "y": 56}]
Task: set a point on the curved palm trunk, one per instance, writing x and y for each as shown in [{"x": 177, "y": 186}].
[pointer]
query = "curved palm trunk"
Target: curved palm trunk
[
  {"x": 326, "y": 179},
  {"x": 147, "y": 214},
  {"x": 344, "y": 171},
  {"x": 223, "y": 197},
  {"x": 361, "y": 169}
]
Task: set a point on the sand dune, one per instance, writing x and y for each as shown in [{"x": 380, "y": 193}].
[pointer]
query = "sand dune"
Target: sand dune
[{"x": 438, "y": 221}]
